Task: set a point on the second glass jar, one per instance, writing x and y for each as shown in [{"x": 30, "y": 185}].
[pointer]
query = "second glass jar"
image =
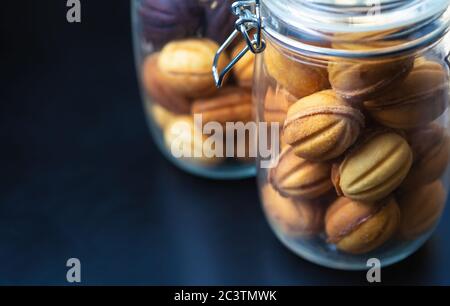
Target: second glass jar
[{"x": 175, "y": 42}]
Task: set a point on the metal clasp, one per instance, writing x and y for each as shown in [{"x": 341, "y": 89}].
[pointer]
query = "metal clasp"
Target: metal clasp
[{"x": 249, "y": 14}]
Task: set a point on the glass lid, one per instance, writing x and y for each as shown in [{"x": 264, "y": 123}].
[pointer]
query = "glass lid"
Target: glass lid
[
  {"x": 355, "y": 15},
  {"x": 397, "y": 24}
]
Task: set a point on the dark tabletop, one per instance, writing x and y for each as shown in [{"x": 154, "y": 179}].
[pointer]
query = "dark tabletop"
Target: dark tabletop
[{"x": 80, "y": 176}]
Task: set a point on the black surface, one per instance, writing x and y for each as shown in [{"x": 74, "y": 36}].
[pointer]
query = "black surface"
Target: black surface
[{"x": 81, "y": 177}]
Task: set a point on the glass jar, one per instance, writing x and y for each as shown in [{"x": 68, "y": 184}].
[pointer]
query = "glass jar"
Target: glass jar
[
  {"x": 175, "y": 42},
  {"x": 360, "y": 93}
]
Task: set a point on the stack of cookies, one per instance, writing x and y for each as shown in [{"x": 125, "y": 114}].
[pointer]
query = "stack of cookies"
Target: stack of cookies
[
  {"x": 177, "y": 77},
  {"x": 362, "y": 148}
]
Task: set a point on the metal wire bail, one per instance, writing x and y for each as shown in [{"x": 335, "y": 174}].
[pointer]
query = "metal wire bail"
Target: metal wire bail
[{"x": 249, "y": 15}]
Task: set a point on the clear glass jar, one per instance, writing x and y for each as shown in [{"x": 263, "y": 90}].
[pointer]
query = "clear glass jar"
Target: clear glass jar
[
  {"x": 175, "y": 42},
  {"x": 360, "y": 90}
]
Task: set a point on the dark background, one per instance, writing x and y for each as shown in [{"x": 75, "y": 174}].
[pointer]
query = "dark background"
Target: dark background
[{"x": 80, "y": 176}]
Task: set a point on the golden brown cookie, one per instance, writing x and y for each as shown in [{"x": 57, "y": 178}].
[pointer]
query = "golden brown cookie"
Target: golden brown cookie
[
  {"x": 421, "y": 209},
  {"x": 373, "y": 169},
  {"x": 231, "y": 104},
  {"x": 431, "y": 150},
  {"x": 185, "y": 141},
  {"x": 185, "y": 67},
  {"x": 297, "y": 177},
  {"x": 322, "y": 126},
  {"x": 358, "y": 80},
  {"x": 300, "y": 79},
  {"x": 293, "y": 218},
  {"x": 276, "y": 105},
  {"x": 420, "y": 99},
  {"x": 159, "y": 92},
  {"x": 358, "y": 227}
]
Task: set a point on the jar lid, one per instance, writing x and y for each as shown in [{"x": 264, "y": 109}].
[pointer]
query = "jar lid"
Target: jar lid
[{"x": 305, "y": 24}]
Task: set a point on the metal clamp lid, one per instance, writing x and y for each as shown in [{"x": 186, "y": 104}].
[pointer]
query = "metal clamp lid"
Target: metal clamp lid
[{"x": 249, "y": 15}]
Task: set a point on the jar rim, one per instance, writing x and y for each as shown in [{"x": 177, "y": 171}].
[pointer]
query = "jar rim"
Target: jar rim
[
  {"x": 355, "y": 15},
  {"x": 301, "y": 24}
]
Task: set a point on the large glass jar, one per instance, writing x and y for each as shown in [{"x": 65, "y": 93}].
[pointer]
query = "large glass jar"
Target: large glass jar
[
  {"x": 175, "y": 42},
  {"x": 360, "y": 92}
]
